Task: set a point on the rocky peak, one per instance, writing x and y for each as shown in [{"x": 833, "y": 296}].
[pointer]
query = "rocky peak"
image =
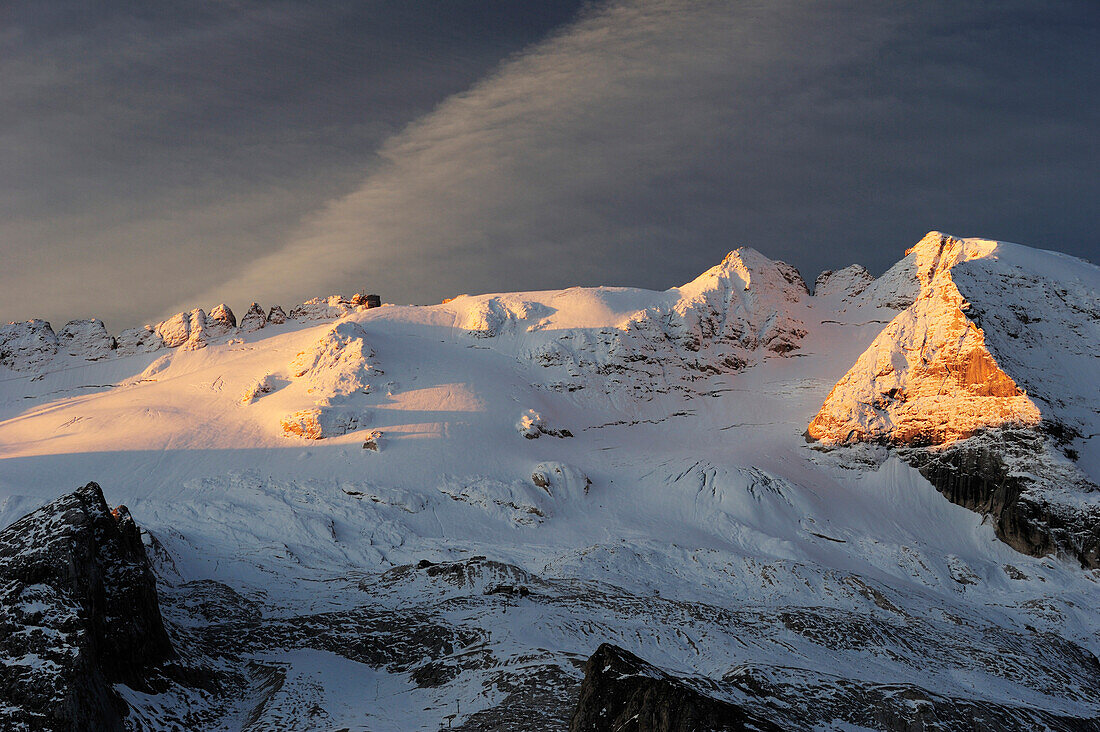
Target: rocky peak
[
  {"x": 928, "y": 378},
  {"x": 254, "y": 319},
  {"x": 276, "y": 316},
  {"x": 747, "y": 270},
  {"x": 978, "y": 385},
  {"x": 27, "y": 346},
  {"x": 78, "y": 613},
  {"x": 183, "y": 330},
  {"x": 937, "y": 253},
  {"x": 848, "y": 282},
  {"x": 87, "y": 339},
  {"x": 748, "y": 301},
  {"x": 220, "y": 321}
]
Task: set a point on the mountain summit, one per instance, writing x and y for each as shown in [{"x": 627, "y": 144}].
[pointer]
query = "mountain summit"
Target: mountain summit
[{"x": 874, "y": 505}]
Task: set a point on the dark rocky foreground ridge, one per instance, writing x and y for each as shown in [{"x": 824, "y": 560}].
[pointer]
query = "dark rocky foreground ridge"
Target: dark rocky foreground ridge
[
  {"x": 81, "y": 622},
  {"x": 622, "y": 692},
  {"x": 78, "y": 613}
]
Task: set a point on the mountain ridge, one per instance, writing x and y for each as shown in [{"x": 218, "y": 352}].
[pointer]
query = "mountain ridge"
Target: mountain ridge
[{"x": 492, "y": 487}]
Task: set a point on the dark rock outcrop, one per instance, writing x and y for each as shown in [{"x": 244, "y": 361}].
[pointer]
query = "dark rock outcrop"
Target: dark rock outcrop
[
  {"x": 254, "y": 319},
  {"x": 276, "y": 316},
  {"x": 27, "y": 346},
  {"x": 997, "y": 473},
  {"x": 78, "y": 613},
  {"x": 622, "y": 692}
]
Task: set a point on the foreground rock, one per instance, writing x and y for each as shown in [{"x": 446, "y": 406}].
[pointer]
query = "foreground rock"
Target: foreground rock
[
  {"x": 78, "y": 613},
  {"x": 622, "y": 692}
]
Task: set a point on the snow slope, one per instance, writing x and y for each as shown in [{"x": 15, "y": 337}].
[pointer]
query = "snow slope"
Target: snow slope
[{"x": 636, "y": 460}]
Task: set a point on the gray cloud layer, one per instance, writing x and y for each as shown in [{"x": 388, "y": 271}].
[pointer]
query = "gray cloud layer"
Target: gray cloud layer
[{"x": 634, "y": 146}]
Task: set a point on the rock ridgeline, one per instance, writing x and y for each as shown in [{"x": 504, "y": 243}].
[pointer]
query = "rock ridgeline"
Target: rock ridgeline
[
  {"x": 622, "y": 692},
  {"x": 78, "y": 614},
  {"x": 31, "y": 345},
  {"x": 738, "y": 313}
]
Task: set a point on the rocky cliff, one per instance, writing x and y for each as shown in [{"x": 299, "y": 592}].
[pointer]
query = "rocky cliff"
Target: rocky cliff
[
  {"x": 78, "y": 614},
  {"x": 622, "y": 692}
]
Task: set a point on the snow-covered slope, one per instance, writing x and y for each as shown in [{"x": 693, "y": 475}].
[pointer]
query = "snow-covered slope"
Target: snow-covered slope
[{"x": 419, "y": 517}]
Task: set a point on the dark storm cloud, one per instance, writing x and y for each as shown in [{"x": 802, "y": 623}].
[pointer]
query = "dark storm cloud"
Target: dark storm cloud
[{"x": 634, "y": 146}]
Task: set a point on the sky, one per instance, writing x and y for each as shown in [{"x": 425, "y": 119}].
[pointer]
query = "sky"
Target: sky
[{"x": 160, "y": 156}]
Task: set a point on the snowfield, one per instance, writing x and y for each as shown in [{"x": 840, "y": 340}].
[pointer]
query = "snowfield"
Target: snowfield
[{"x": 342, "y": 507}]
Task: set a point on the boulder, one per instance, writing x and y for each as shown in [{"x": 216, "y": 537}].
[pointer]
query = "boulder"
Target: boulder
[
  {"x": 258, "y": 388},
  {"x": 321, "y": 422},
  {"x": 560, "y": 480}
]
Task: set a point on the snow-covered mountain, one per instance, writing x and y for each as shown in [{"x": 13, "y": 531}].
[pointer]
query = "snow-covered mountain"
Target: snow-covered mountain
[{"x": 419, "y": 517}]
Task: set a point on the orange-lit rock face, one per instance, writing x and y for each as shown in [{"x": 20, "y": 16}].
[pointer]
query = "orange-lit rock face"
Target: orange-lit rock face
[
  {"x": 305, "y": 423},
  {"x": 929, "y": 377}
]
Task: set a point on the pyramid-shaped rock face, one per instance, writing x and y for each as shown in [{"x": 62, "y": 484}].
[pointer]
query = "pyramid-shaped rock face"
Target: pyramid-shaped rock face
[
  {"x": 220, "y": 321},
  {"x": 254, "y": 319},
  {"x": 929, "y": 377}
]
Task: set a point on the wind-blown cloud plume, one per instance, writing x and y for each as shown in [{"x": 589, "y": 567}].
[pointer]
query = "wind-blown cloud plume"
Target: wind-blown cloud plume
[
  {"x": 168, "y": 156},
  {"x": 148, "y": 150},
  {"x": 648, "y": 138}
]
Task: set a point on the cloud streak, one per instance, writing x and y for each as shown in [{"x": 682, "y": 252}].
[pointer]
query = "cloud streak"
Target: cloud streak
[
  {"x": 147, "y": 150},
  {"x": 197, "y": 153},
  {"x": 648, "y": 138}
]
